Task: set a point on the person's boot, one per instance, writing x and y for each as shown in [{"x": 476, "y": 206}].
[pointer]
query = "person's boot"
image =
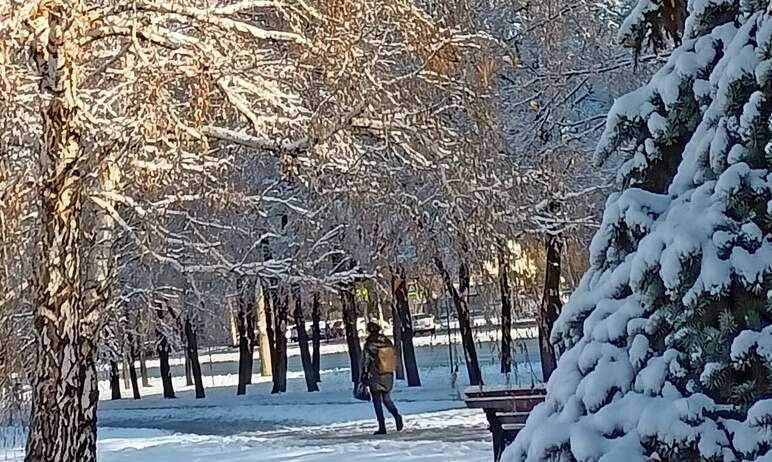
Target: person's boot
[
  {"x": 381, "y": 428},
  {"x": 398, "y": 421}
]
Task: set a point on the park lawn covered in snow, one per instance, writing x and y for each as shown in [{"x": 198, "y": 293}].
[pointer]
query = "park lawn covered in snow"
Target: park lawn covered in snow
[{"x": 297, "y": 425}]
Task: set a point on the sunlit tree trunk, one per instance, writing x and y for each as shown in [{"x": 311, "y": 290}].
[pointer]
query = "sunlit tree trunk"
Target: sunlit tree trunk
[
  {"x": 263, "y": 339},
  {"x": 69, "y": 299}
]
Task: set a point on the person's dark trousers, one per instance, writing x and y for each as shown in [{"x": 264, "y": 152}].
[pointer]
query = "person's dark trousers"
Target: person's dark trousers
[{"x": 381, "y": 399}]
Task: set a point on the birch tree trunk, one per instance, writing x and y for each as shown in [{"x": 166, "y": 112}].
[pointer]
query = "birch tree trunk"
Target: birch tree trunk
[{"x": 68, "y": 311}]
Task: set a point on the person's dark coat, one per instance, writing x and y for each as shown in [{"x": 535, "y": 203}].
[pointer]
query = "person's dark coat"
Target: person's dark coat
[{"x": 378, "y": 363}]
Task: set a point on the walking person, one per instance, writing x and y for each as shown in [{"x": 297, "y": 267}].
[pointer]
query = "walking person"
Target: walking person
[{"x": 378, "y": 365}]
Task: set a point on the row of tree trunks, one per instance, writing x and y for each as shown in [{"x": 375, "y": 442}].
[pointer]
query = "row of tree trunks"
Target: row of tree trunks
[
  {"x": 550, "y": 305},
  {"x": 350, "y": 326},
  {"x": 506, "y": 312},
  {"x": 191, "y": 352},
  {"x": 399, "y": 284},
  {"x": 305, "y": 355},
  {"x": 246, "y": 327},
  {"x": 462, "y": 309},
  {"x": 316, "y": 335}
]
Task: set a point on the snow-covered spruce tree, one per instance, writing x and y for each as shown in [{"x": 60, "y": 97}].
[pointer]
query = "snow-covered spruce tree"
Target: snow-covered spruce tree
[{"x": 667, "y": 342}]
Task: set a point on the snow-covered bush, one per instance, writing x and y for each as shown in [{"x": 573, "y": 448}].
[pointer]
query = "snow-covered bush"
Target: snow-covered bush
[{"x": 667, "y": 343}]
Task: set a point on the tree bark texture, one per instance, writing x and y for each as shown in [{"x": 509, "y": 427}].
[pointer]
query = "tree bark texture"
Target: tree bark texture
[{"x": 68, "y": 308}]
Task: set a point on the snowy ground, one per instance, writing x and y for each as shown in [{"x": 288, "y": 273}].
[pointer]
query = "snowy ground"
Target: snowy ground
[{"x": 329, "y": 425}]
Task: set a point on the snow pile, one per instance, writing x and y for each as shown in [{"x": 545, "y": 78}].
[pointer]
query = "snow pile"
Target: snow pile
[{"x": 667, "y": 344}]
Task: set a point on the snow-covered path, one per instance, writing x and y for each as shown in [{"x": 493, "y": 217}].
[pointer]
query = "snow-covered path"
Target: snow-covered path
[
  {"x": 297, "y": 426},
  {"x": 457, "y": 435}
]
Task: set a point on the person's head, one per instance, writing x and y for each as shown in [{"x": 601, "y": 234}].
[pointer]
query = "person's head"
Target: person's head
[{"x": 373, "y": 328}]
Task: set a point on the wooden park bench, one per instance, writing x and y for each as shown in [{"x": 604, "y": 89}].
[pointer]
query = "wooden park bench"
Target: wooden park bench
[{"x": 506, "y": 408}]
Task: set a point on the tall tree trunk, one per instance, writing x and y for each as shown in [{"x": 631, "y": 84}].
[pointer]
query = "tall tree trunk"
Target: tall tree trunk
[
  {"x": 462, "y": 309},
  {"x": 115, "y": 381},
  {"x": 263, "y": 341},
  {"x": 316, "y": 333},
  {"x": 143, "y": 365},
  {"x": 408, "y": 350},
  {"x": 191, "y": 352},
  {"x": 550, "y": 305},
  {"x": 396, "y": 326},
  {"x": 166, "y": 371},
  {"x": 350, "y": 326},
  {"x": 271, "y": 297},
  {"x": 280, "y": 369},
  {"x": 68, "y": 310},
  {"x": 132, "y": 368},
  {"x": 133, "y": 379},
  {"x": 245, "y": 323},
  {"x": 506, "y": 312},
  {"x": 305, "y": 354}
]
